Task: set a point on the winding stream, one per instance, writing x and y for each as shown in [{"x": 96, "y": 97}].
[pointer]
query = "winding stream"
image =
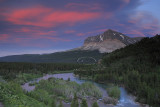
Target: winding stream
[{"x": 126, "y": 100}]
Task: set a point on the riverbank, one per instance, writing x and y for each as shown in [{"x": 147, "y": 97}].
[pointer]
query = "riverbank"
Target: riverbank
[
  {"x": 121, "y": 86},
  {"x": 125, "y": 99}
]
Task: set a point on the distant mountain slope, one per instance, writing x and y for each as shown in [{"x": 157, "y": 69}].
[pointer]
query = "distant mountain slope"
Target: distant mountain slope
[
  {"x": 58, "y": 57},
  {"x": 89, "y": 52},
  {"x": 108, "y": 41}
]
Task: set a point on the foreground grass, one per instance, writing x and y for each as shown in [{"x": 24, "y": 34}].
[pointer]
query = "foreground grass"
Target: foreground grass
[
  {"x": 63, "y": 90},
  {"x": 11, "y": 95},
  {"x": 48, "y": 93},
  {"x": 25, "y": 77}
]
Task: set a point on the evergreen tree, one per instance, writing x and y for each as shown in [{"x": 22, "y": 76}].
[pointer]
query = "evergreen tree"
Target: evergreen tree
[
  {"x": 95, "y": 104},
  {"x": 75, "y": 101},
  {"x": 68, "y": 79},
  {"x": 84, "y": 103}
]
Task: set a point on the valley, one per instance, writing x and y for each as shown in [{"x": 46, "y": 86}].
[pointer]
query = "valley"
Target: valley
[
  {"x": 79, "y": 53},
  {"x": 122, "y": 78}
]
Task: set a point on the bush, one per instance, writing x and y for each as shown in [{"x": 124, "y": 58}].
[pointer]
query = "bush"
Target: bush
[
  {"x": 89, "y": 89},
  {"x": 84, "y": 103},
  {"x": 11, "y": 98},
  {"x": 40, "y": 95},
  {"x": 114, "y": 92},
  {"x": 75, "y": 101},
  {"x": 95, "y": 104}
]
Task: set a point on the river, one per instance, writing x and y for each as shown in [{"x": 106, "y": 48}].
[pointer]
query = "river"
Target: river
[{"x": 125, "y": 100}]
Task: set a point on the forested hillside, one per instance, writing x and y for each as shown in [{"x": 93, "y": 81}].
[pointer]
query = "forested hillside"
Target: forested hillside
[
  {"x": 58, "y": 57},
  {"x": 9, "y": 71},
  {"x": 136, "y": 67}
]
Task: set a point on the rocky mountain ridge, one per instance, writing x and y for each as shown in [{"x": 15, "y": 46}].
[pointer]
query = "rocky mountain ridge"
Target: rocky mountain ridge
[
  {"x": 93, "y": 48},
  {"x": 108, "y": 41}
]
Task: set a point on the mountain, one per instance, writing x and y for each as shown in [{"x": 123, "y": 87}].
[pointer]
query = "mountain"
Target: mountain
[
  {"x": 90, "y": 52},
  {"x": 108, "y": 41}
]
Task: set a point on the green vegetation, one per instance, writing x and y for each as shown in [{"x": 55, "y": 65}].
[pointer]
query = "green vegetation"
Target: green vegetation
[
  {"x": 48, "y": 93},
  {"x": 23, "y": 72},
  {"x": 136, "y": 66},
  {"x": 60, "y": 104},
  {"x": 75, "y": 101},
  {"x": 24, "y": 77},
  {"x": 63, "y": 90},
  {"x": 84, "y": 103},
  {"x": 114, "y": 92},
  {"x": 95, "y": 104},
  {"x": 11, "y": 95},
  {"x": 58, "y": 57},
  {"x": 88, "y": 89},
  {"x": 53, "y": 103}
]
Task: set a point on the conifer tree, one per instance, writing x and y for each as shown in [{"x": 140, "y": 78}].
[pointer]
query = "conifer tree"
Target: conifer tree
[
  {"x": 75, "y": 101},
  {"x": 84, "y": 103},
  {"x": 95, "y": 104}
]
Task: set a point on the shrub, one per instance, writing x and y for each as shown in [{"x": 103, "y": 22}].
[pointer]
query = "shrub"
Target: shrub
[
  {"x": 114, "y": 92},
  {"x": 75, "y": 101},
  {"x": 95, "y": 104},
  {"x": 84, "y": 103}
]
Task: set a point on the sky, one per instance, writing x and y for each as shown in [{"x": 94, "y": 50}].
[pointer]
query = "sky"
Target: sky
[{"x": 47, "y": 26}]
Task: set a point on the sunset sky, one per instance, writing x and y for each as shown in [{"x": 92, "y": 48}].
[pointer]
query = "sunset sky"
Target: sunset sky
[{"x": 46, "y": 26}]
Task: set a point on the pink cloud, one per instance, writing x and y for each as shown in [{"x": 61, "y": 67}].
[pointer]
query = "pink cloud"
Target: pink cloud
[
  {"x": 29, "y": 36},
  {"x": 144, "y": 21},
  {"x": 47, "y": 17},
  {"x": 71, "y": 17},
  {"x": 34, "y": 31},
  {"x": 4, "y": 37},
  {"x": 91, "y": 33},
  {"x": 31, "y": 40},
  {"x": 81, "y": 34},
  {"x": 135, "y": 32}
]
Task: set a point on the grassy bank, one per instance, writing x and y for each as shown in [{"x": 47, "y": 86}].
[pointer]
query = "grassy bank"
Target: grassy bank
[
  {"x": 15, "y": 74},
  {"x": 64, "y": 90},
  {"x": 11, "y": 94}
]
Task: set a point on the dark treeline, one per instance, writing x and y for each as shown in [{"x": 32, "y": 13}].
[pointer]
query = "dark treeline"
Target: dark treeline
[
  {"x": 10, "y": 70},
  {"x": 136, "y": 66},
  {"x": 57, "y": 57}
]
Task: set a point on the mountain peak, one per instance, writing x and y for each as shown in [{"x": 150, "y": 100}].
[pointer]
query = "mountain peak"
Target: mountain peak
[
  {"x": 109, "y": 41},
  {"x": 110, "y": 30}
]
